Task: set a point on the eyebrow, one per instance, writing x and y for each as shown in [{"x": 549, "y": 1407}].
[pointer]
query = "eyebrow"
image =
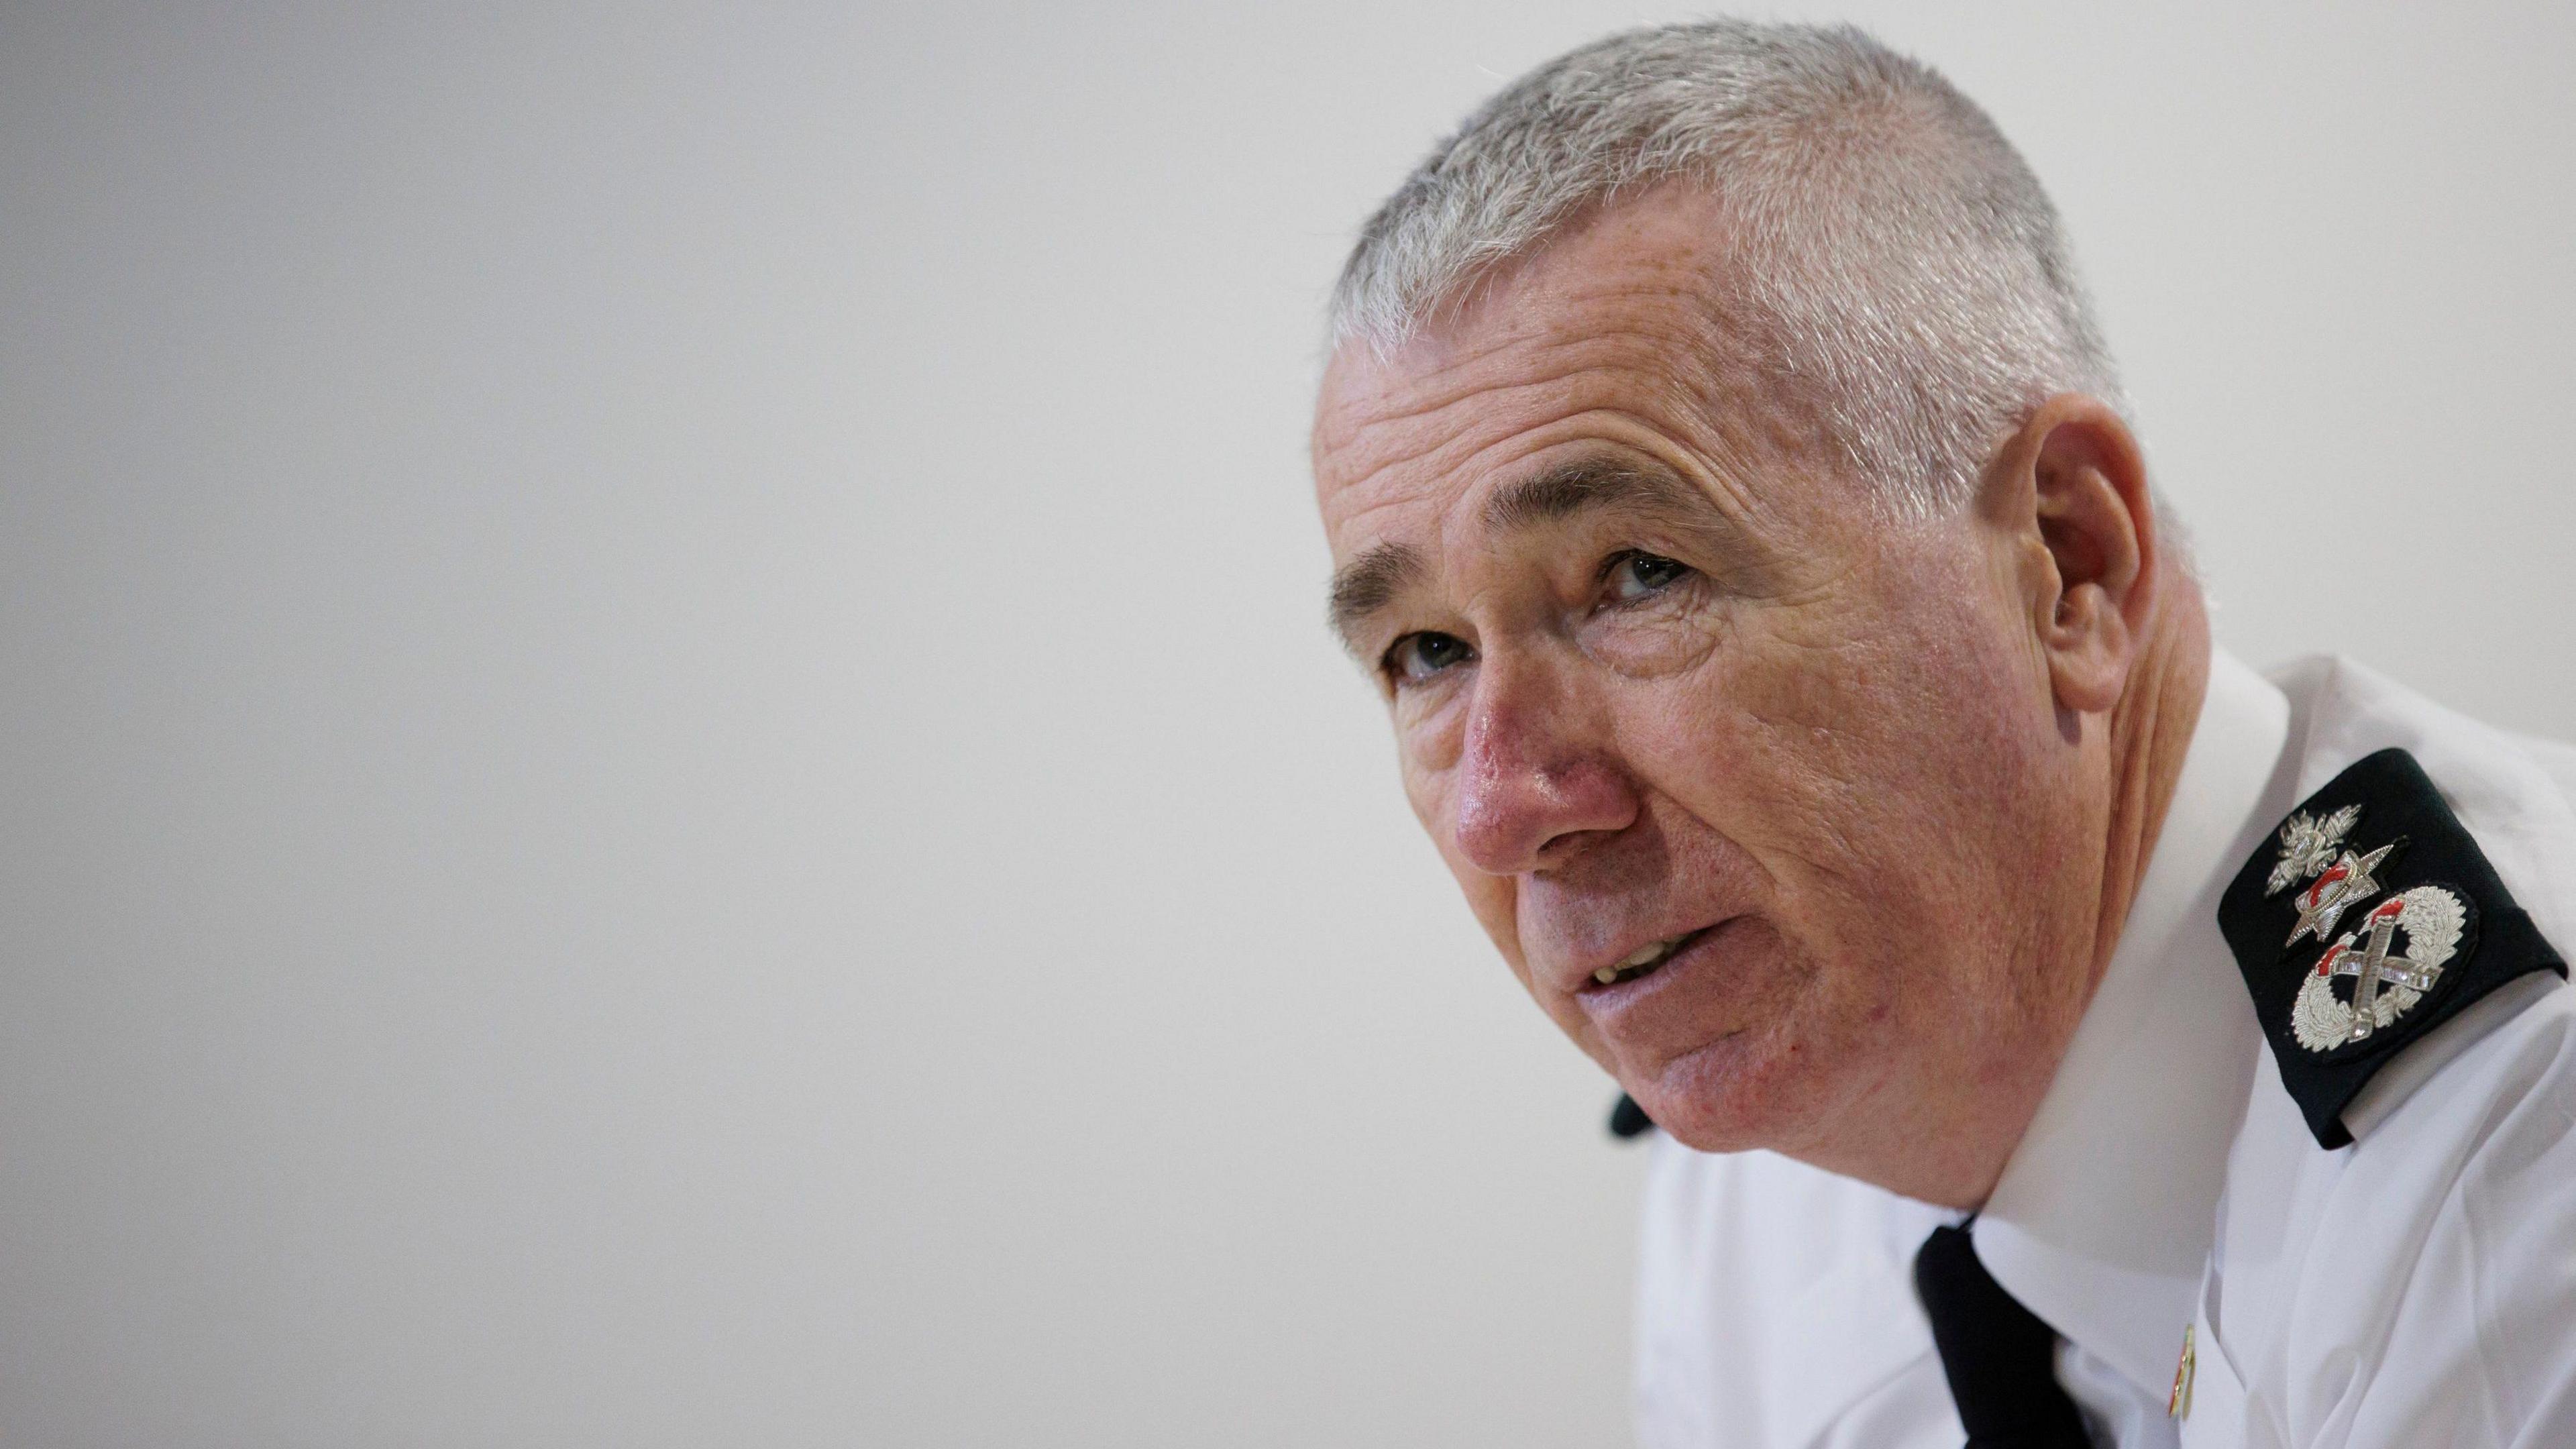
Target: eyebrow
[
  {"x": 1577, "y": 486},
  {"x": 1586, "y": 485},
  {"x": 1367, "y": 584}
]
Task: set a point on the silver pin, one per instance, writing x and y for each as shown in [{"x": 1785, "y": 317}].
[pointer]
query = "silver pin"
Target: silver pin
[
  {"x": 2346, "y": 883},
  {"x": 2308, "y": 846},
  {"x": 2385, "y": 985}
]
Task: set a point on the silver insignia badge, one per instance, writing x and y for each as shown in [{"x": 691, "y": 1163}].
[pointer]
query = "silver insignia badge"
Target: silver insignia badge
[
  {"x": 2308, "y": 846},
  {"x": 2346, "y": 883},
  {"x": 2385, "y": 986}
]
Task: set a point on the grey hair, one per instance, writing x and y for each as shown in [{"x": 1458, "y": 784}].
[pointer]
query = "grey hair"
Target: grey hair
[{"x": 1898, "y": 266}]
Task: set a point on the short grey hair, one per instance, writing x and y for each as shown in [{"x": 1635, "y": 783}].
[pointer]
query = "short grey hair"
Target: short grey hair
[{"x": 1899, "y": 267}]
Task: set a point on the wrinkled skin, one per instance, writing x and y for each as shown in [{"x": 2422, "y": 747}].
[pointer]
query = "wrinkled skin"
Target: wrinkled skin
[{"x": 1901, "y": 777}]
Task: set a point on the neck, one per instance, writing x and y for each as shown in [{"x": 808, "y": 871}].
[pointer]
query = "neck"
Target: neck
[
  {"x": 2146, "y": 735},
  {"x": 2150, "y": 732}
]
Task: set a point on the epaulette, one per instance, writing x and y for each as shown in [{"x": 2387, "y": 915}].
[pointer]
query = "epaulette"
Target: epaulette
[{"x": 2427, "y": 928}]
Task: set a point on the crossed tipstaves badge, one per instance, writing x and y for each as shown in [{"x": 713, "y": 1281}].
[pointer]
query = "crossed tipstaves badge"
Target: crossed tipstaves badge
[{"x": 2385, "y": 985}]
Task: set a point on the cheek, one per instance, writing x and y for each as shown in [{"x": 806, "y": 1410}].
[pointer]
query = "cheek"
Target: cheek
[
  {"x": 1765, "y": 744},
  {"x": 1430, "y": 732},
  {"x": 1853, "y": 747}
]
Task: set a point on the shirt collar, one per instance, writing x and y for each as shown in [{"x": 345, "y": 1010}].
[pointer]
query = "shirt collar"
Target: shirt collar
[{"x": 2104, "y": 1216}]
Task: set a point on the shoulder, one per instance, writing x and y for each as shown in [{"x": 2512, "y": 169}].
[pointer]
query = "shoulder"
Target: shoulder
[
  {"x": 2555, "y": 758},
  {"x": 2429, "y": 863},
  {"x": 2516, "y": 794},
  {"x": 2397, "y": 1247},
  {"x": 2424, "y": 1277}
]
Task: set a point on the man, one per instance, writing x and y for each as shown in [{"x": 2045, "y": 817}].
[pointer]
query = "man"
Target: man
[{"x": 2058, "y": 1033}]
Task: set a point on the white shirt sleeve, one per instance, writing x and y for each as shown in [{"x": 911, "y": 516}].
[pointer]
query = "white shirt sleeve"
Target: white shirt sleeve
[
  {"x": 2483, "y": 1331},
  {"x": 2421, "y": 1289}
]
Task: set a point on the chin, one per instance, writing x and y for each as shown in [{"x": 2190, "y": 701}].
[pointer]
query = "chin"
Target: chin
[{"x": 1730, "y": 1096}]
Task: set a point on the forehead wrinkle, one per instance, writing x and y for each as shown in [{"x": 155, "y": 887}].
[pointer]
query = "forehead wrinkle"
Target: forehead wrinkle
[
  {"x": 1421, "y": 403},
  {"x": 1622, "y": 465},
  {"x": 1391, "y": 431},
  {"x": 1657, "y": 307},
  {"x": 1652, "y": 328},
  {"x": 1419, "y": 445}
]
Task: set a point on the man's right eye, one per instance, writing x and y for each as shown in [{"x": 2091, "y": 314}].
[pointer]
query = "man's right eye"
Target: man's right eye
[{"x": 1417, "y": 657}]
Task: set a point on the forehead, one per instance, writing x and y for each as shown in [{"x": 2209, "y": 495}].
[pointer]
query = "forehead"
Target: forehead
[{"x": 1616, "y": 333}]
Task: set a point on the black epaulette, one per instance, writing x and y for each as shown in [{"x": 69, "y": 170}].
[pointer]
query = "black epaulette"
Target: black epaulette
[
  {"x": 1629, "y": 1120},
  {"x": 2369, "y": 920}
]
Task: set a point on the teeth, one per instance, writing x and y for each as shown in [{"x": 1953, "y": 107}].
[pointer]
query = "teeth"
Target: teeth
[{"x": 1646, "y": 954}]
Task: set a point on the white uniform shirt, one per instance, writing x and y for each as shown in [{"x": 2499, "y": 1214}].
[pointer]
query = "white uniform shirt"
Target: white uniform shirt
[{"x": 2415, "y": 1288}]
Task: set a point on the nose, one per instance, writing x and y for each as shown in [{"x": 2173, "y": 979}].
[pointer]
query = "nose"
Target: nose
[{"x": 1535, "y": 782}]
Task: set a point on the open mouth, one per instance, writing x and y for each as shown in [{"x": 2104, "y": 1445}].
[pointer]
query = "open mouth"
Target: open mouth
[{"x": 1649, "y": 957}]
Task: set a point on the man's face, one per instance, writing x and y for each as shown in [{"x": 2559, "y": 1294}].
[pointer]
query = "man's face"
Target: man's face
[{"x": 1760, "y": 794}]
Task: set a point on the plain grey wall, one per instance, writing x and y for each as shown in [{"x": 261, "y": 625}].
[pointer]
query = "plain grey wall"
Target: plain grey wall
[{"x": 668, "y": 773}]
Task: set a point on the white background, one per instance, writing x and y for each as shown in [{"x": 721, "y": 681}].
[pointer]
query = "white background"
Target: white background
[{"x": 668, "y": 772}]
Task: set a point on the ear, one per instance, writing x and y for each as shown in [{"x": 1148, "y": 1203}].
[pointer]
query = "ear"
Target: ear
[{"x": 2069, "y": 492}]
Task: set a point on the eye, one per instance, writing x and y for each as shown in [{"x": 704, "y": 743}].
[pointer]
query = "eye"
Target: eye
[
  {"x": 1633, "y": 575},
  {"x": 1417, "y": 657}
]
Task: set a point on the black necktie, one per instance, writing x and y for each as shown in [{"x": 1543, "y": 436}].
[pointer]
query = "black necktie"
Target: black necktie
[{"x": 2000, "y": 1358}]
